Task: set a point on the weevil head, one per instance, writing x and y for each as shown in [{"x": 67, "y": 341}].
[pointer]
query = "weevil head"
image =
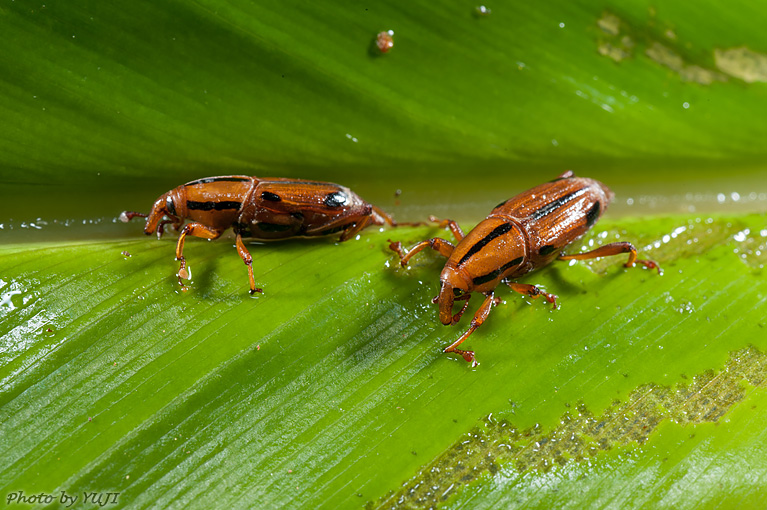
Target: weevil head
[
  {"x": 170, "y": 205},
  {"x": 453, "y": 284}
]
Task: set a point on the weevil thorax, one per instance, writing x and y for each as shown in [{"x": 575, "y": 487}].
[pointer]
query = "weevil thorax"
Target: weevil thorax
[
  {"x": 494, "y": 249},
  {"x": 215, "y": 202}
]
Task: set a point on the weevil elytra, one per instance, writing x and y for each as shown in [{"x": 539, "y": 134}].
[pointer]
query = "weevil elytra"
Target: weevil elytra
[
  {"x": 265, "y": 208},
  {"x": 520, "y": 235}
]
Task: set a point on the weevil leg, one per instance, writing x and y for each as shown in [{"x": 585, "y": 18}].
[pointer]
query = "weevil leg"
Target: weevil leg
[
  {"x": 452, "y": 225},
  {"x": 476, "y": 321},
  {"x": 161, "y": 228},
  {"x": 379, "y": 218},
  {"x": 464, "y": 297},
  {"x": 532, "y": 291},
  {"x": 376, "y": 217},
  {"x": 614, "y": 249},
  {"x": 126, "y": 216},
  {"x": 196, "y": 230},
  {"x": 245, "y": 256},
  {"x": 445, "y": 248},
  {"x": 355, "y": 228}
]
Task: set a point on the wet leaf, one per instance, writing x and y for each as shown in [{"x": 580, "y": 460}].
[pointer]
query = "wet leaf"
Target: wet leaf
[{"x": 330, "y": 390}]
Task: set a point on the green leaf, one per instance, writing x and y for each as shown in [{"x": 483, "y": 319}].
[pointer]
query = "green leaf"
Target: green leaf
[
  {"x": 331, "y": 389},
  {"x": 212, "y": 86}
]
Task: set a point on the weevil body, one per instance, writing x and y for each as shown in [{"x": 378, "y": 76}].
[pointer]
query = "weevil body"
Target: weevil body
[
  {"x": 520, "y": 235},
  {"x": 258, "y": 208}
]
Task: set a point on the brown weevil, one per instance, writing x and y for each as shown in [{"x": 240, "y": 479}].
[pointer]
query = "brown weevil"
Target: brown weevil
[
  {"x": 520, "y": 235},
  {"x": 259, "y": 208}
]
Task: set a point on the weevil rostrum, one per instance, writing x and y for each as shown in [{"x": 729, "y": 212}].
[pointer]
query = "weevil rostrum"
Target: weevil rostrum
[
  {"x": 264, "y": 209},
  {"x": 520, "y": 235}
]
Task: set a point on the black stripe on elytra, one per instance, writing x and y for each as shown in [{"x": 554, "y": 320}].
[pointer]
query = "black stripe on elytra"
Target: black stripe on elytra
[
  {"x": 497, "y": 231},
  {"x": 547, "y": 250},
  {"x": 593, "y": 214},
  {"x": 208, "y": 180},
  {"x": 556, "y": 204},
  {"x": 273, "y": 227},
  {"x": 492, "y": 275},
  {"x": 271, "y": 197},
  {"x": 212, "y": 206},
  {"x": 336, "y": 199}
]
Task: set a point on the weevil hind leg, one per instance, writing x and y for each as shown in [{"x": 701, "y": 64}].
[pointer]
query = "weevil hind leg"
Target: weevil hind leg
[
  {"x": 614, "y": 249},
  {"x": 245, "y": 256},
  {"x": 532, "y": 291},
  {"x": 476, "y": 321},
  {"x": 193, "y": 229},
  {"x": 443, "y": 247}
]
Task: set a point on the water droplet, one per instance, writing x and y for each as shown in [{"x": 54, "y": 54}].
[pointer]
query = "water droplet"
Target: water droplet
[{"x": 741, "y": 236}]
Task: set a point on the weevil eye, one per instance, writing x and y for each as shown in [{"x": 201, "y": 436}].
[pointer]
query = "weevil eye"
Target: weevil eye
[
  {"x": 169, "y": 206},
  {"x": 457, "y": 292},
  {"x": 336, "y": 199}
]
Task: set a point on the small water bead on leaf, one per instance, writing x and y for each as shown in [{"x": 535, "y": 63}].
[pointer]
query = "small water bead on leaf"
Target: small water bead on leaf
[
  {"x": 385, "y": 41},
  {"x": 482, "y": 11}
]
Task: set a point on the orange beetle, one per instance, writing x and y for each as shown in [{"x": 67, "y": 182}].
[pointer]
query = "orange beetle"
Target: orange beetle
[
  {"x": 259, "y": 208},
  {"x": 520, "y": 235}
]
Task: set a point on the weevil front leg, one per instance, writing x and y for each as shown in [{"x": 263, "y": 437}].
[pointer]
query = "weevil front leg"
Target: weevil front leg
[
  {"x": 376, "y": 217},
  {"x": 532, "y": 291},
  {"x": 614, "y": 249},
  {"x": 354, "y": 229},
  {"x": 245, "y": 255},
  {"x": 196, "y": 230},
  {"x": 445, "y": 248},
  {"x": 457, "y": 316},
  {"x": 452, "y": 225},
  {"x": 476, "y": 321}
]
